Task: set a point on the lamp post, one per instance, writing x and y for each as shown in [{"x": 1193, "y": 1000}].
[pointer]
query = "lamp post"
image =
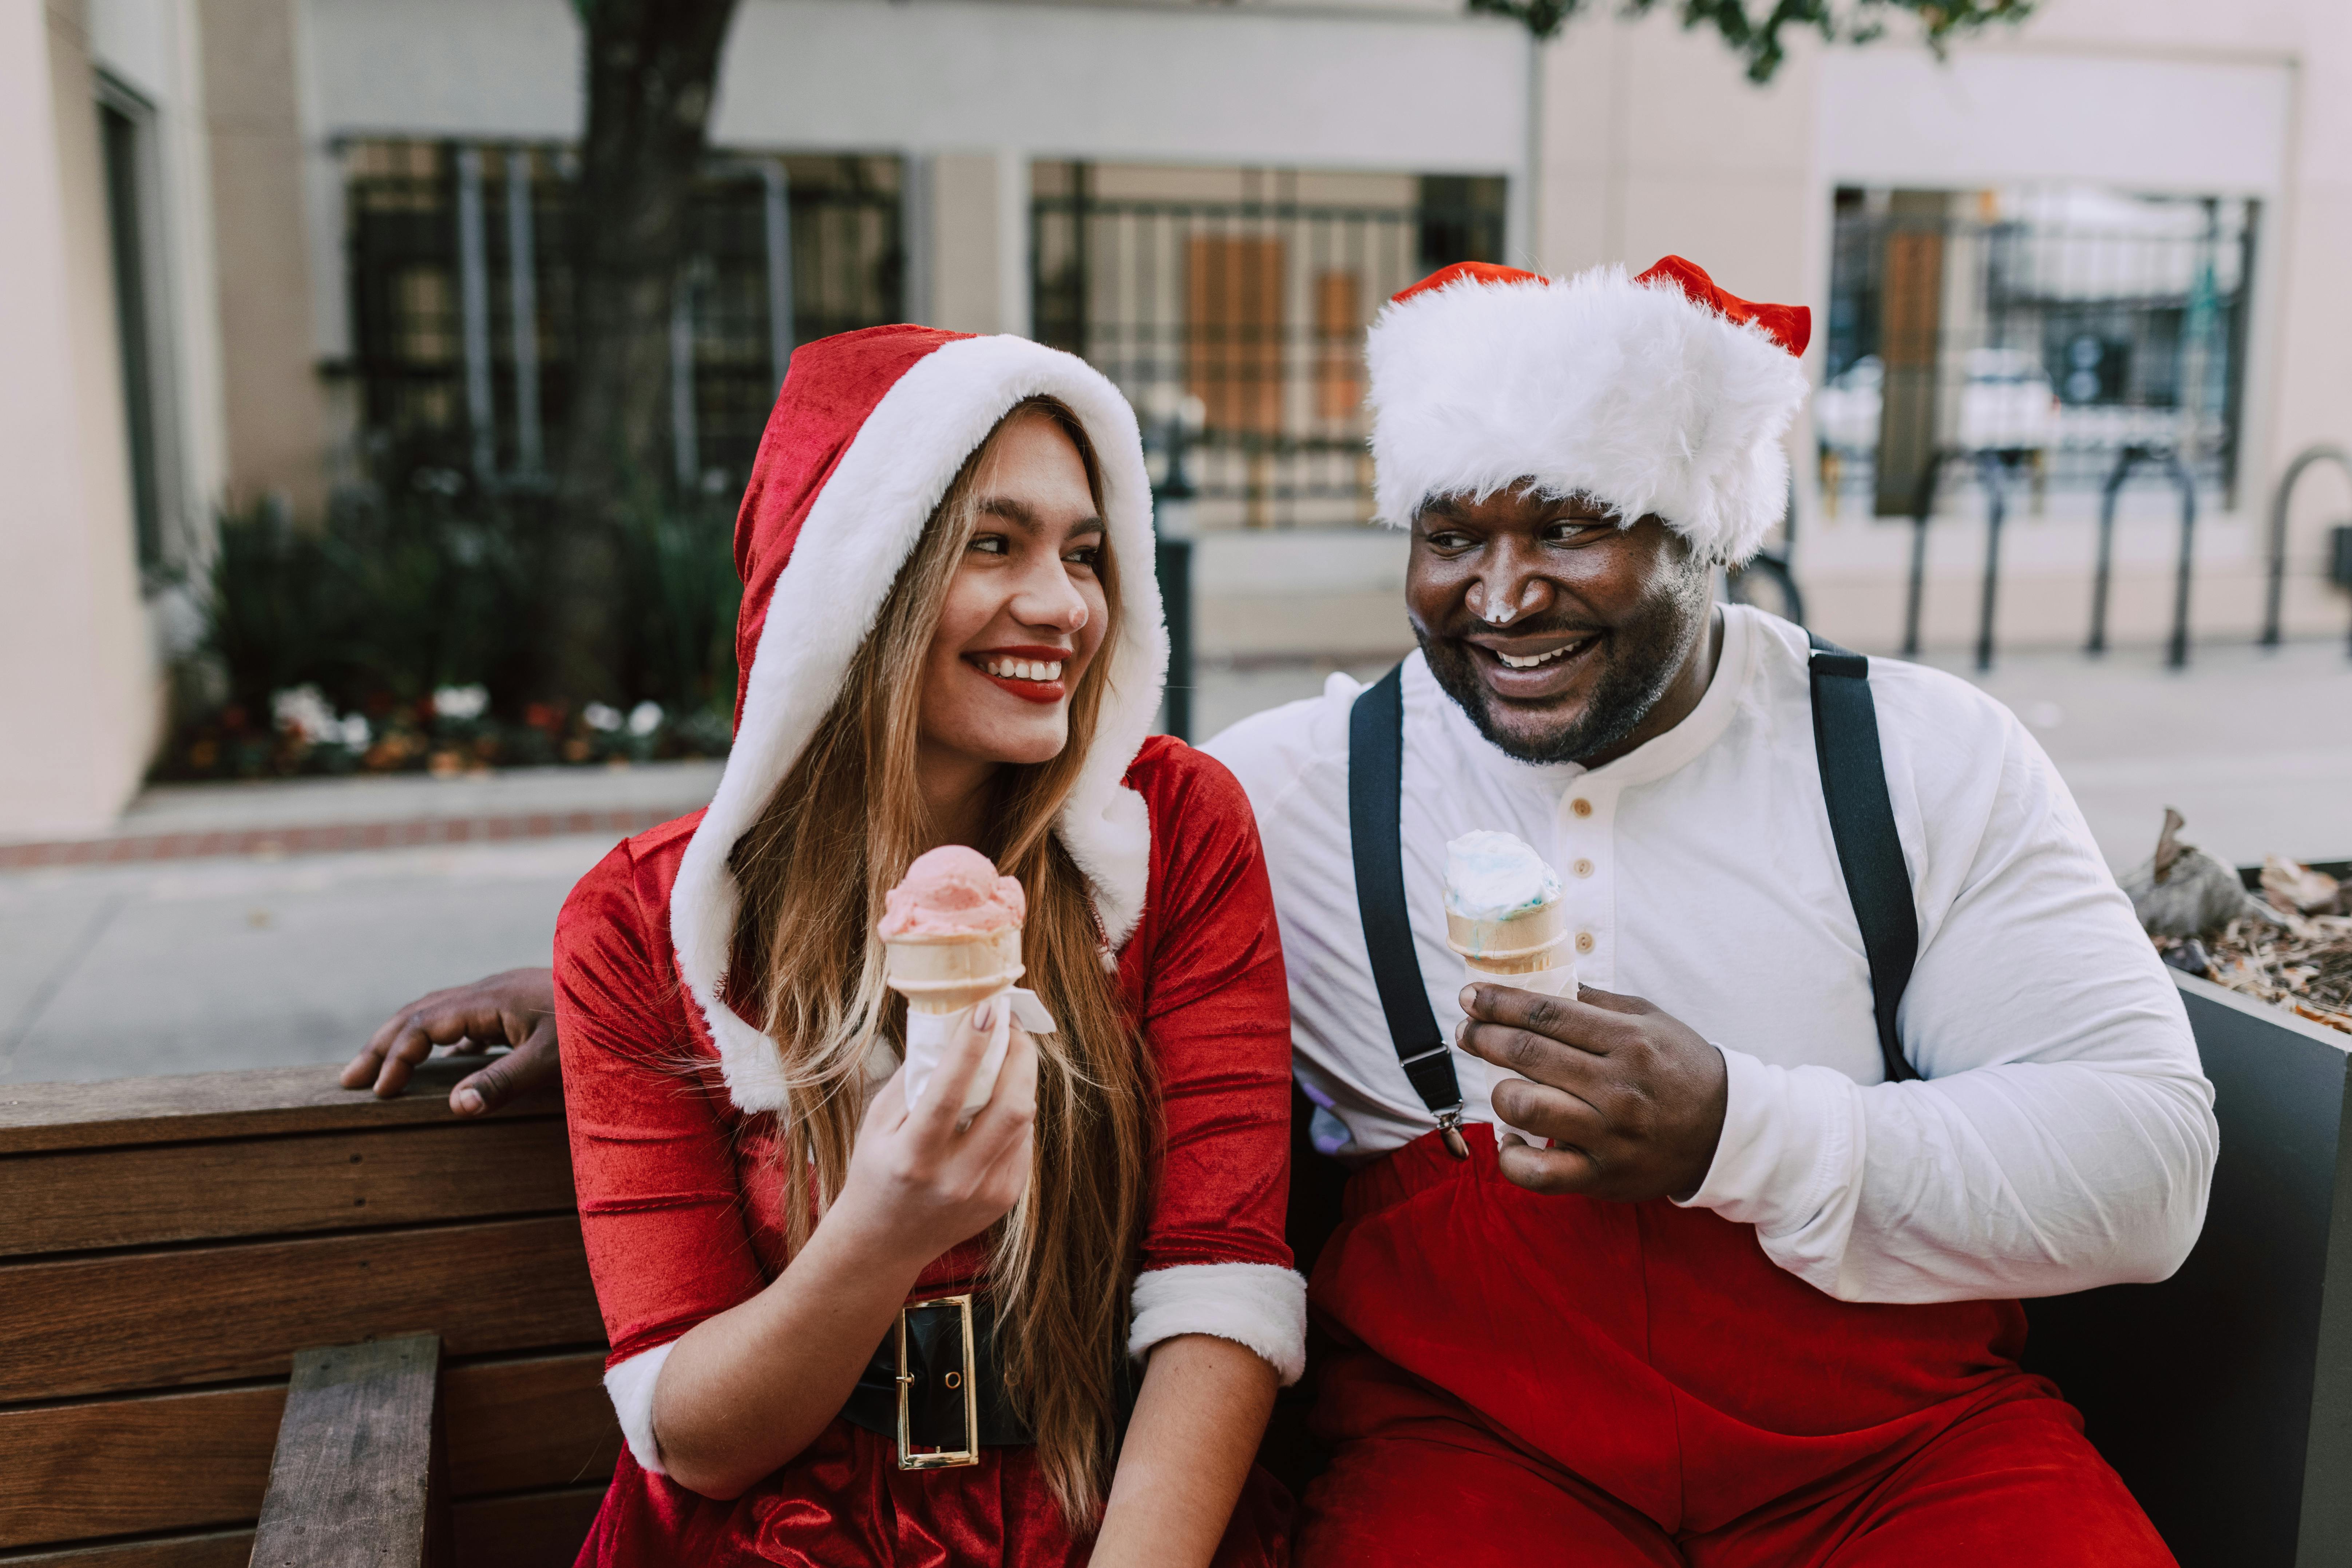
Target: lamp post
[{"x": 1174, "y": 524}]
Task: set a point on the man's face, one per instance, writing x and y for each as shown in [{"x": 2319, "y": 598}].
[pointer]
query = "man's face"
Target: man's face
[{"x": 1557, "y": 630}]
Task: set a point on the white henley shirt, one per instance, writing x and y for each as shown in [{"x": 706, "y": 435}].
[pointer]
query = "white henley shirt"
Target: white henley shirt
[{"x": 2063, "y": 1136}]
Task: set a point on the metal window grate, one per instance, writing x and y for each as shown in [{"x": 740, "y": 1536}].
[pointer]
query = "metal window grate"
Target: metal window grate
[
  {"x": 1256, "y": 305},
  {"x": 424, "y": 217},
  {"x": 2065, "y": 323}
]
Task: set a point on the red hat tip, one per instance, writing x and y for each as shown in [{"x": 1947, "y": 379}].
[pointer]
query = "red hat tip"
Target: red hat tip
[
  {"x": 1790, "y": 326},
  {"x": 1473, "y": 271}
]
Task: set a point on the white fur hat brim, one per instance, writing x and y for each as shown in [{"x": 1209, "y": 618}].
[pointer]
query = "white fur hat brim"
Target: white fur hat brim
[{"x": 1626, "y": 391}]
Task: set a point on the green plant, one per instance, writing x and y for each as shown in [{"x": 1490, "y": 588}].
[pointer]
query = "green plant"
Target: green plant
[{"x": 1753, "y": 28}]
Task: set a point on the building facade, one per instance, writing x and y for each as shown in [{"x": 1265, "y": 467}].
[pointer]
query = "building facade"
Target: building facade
[{"x": 281, "y": 244}]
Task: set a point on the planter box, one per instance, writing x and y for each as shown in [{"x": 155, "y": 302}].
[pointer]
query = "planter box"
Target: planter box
[{"x": 2224, "y": 1395}]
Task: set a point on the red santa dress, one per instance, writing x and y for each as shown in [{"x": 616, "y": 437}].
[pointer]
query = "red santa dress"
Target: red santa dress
[{"x": 672, "y": 1095}]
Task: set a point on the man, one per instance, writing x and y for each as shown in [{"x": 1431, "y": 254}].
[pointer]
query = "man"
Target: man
[{"x": 1754, "y": 1304}]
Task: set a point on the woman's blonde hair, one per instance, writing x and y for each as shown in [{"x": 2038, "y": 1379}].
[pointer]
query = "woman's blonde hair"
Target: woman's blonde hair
[{"x": 840, "y": 832}]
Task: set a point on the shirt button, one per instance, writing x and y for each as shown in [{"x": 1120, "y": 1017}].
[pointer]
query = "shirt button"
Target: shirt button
[
  {"x": 1584, "y": 941},
  {"x": 1582, "y": 806},
  {"x": 1584, "y": 867}
]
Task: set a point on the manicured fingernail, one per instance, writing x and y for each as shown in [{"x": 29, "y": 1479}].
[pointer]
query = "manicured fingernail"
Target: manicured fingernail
[{"x": 467, "y": 1101}]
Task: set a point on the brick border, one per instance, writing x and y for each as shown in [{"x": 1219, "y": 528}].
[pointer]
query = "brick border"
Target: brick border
[{"x": 327, "y": 838}]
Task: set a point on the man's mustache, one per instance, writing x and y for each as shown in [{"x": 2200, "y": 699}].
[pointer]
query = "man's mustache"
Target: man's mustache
[{"x": 1463, "y": 626}]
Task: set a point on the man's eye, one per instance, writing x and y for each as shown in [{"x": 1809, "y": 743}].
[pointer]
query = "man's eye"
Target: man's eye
[
  {"x": 1448, "y": 539},
  {"x": 991, "y": 545},
  {"x": 1575, "y": 530}
]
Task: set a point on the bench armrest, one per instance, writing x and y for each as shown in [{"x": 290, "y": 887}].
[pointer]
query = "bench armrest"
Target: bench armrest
[{"x": 357, "y": 1476}]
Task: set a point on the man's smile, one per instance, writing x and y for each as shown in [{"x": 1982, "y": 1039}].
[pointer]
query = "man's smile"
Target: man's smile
[{"x": 1533, "y": 669}]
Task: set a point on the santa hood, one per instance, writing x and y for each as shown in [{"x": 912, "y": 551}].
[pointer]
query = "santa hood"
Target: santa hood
[
  {"x": 867, "y": 434},
  {"x": 1658, "y": 394}
]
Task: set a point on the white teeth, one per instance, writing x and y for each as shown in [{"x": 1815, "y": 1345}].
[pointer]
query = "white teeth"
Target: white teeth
[
  {"x": 1024, "y": 668},
  {"x": 1539, "y": 658}
]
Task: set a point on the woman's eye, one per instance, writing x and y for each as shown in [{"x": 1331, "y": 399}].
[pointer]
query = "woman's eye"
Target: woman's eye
[
  {"x": 991, "y": 545},
  {"x": 1087, "y": 556}
]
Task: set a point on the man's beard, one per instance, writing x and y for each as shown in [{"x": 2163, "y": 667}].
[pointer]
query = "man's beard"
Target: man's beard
[{"x": 1646, "y": 653}]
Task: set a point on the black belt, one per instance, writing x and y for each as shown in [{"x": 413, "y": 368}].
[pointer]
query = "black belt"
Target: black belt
[{"x": 935, "y": 1387}]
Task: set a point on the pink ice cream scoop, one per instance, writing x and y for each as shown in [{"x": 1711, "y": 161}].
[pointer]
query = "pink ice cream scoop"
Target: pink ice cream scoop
[{"x": 951, "y": 892}]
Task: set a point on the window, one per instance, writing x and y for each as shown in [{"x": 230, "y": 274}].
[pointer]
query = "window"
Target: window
[
  {"x": 2061, "y": 323},
  {"x": 1249, "y": 290},
  {"x": 126, "y": 146},
  {"x": 461, "y": 298}
]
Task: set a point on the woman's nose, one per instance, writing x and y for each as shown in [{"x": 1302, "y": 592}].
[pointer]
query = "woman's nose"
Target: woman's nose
[{"x": 1047, "y": 597}]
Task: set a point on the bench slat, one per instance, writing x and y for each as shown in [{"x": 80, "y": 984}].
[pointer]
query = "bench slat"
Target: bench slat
[
  {"x": 352, "y": 1483},
  {"x": 207, "y": 1548},
  {"x": 515, "y": 1424},
  {"x": 151, "y": 1320},
  {"x": 79, "y": 1200},
  {"x": 38, "y": 1117},
  {"x": 203, "y": 1458},
  {"x": 538, "y": 1530}
]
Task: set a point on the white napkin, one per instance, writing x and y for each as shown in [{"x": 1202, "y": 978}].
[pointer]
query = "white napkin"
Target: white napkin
[
  {"x": 1558, "y": 980},
  {"x": 928, "y": 1034}
]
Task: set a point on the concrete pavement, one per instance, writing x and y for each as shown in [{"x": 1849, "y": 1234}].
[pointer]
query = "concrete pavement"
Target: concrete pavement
[{"x": 192, "y": 963}]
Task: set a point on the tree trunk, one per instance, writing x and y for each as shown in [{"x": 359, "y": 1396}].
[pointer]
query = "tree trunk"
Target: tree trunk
[{"x": 652, "y": 67}]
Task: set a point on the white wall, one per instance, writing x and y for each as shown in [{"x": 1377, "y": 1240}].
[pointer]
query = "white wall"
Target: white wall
[
  {"x": 1425, "y": 93},
  {"x": 78, "y": 706}
]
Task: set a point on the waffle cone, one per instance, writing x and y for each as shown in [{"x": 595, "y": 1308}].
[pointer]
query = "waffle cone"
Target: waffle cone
[
  {"x": 1525, "y": 941},
  {"x": 949, "y": 973}
]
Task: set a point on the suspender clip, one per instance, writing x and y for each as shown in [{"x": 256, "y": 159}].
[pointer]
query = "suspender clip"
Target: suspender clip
[{"x": 1449, "y": 1123}]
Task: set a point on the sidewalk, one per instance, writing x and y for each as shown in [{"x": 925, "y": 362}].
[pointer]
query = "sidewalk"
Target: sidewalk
[
  {"x": 145, "y": 951},
  {"x": 207, "y": 933}
]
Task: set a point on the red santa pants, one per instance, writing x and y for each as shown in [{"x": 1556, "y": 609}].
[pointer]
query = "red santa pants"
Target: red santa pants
[{"x": 1526, "y": 1378}]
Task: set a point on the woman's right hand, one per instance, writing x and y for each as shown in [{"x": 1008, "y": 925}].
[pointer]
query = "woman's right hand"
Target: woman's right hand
[{"x": 918, "y": 1184}]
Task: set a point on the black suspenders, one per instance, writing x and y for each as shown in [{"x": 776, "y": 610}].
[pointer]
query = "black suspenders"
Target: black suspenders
[
  {"x": 1375, "y": 809},
  {"x": 1862, "y": 822}
]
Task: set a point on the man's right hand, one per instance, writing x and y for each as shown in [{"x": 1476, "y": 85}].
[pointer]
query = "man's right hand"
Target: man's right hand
[{"x": 516, "y": 1009}]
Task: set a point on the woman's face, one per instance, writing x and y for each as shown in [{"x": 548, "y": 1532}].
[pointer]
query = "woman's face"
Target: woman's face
[{"x": 1025, "y": 611}]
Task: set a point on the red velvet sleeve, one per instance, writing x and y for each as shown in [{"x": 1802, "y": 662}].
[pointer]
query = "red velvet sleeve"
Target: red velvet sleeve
[
  {"x": 1216, "y": 1014},
  {"x": 652, "y": 1141}
]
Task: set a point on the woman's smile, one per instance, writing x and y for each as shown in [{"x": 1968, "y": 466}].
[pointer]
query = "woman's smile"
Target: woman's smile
[{"x": 1032, "y": 672}]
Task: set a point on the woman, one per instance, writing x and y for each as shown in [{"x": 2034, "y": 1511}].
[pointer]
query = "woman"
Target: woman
[{"x": 949, "y": 634}]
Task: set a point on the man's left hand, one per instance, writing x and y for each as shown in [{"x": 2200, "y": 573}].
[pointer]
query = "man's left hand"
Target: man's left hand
[{"x": 1631, "y": 1099}]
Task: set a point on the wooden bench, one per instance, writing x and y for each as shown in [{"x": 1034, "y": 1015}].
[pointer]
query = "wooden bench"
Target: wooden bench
[
  {"x": 170, "y": 1246},
  {"x": 173, "y": 1250}
]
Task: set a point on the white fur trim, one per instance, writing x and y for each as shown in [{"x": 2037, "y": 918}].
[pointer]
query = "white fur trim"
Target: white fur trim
[
  {"x": 630, "y": 1384},
  {"x": 1596, "y": 385},
  {"x": 861, "y": 529},
  {"x": 1254, "y": 1304}
]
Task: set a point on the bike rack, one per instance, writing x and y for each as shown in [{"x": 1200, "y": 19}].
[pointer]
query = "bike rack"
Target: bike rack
[
  {"x": 2125, "y": 461},
  {"x": 1994, "y": 468},
  {"x": 2327, "y": 451},
  {"x": 1923, "y": 504}
]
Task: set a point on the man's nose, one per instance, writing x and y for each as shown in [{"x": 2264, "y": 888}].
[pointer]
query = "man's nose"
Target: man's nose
[{"x": 1508, "y": 591}]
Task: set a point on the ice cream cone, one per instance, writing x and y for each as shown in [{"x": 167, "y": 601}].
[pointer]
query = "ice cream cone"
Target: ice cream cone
[
  {"x": 947, "y": 973},
  {"x": 1523, "y": 941}
]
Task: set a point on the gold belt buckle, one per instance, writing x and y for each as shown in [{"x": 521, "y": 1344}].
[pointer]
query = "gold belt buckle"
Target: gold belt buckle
[{"x": 943, "y": 1458}]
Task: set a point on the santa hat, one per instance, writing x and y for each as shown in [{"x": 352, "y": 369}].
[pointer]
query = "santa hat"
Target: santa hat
[
  {"x": 1657, "y": 394},
  {"x": 867, "y": 434}
]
